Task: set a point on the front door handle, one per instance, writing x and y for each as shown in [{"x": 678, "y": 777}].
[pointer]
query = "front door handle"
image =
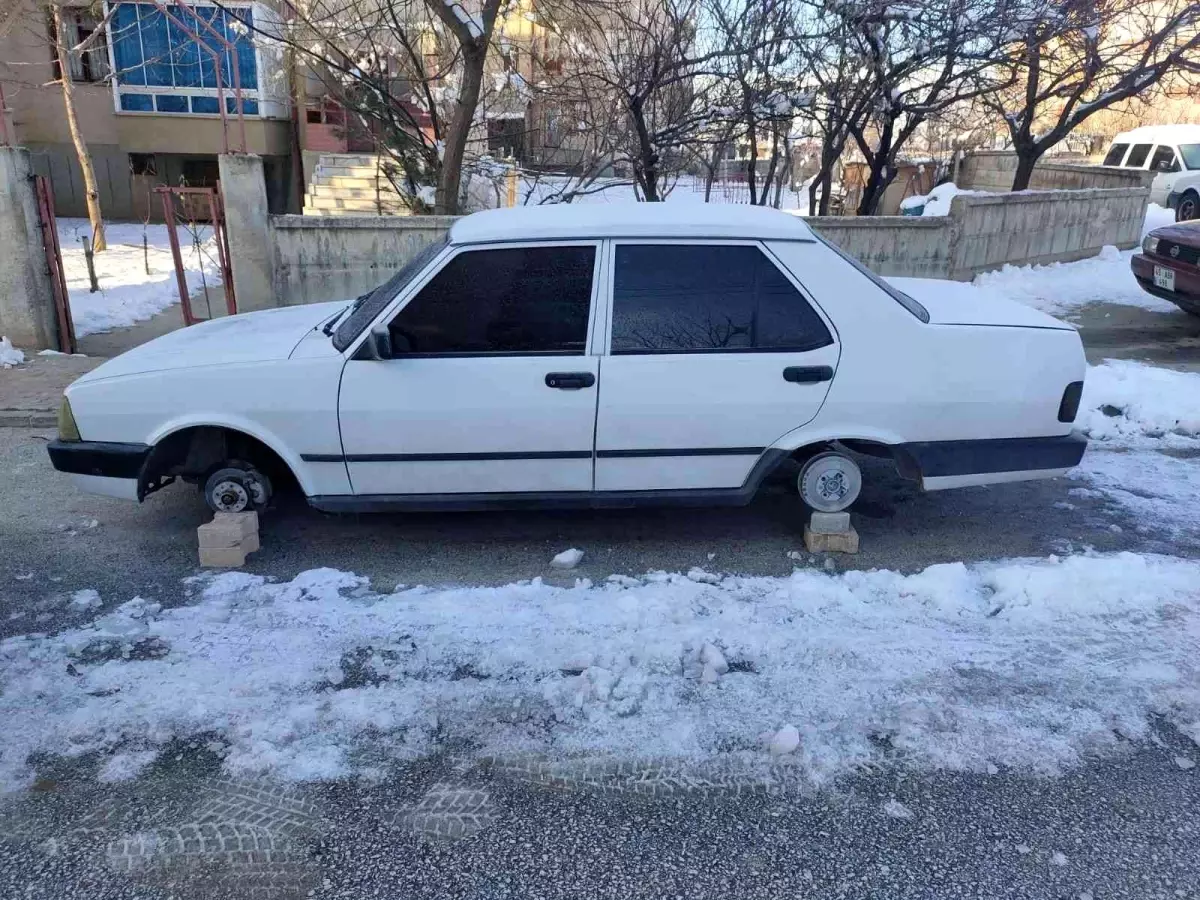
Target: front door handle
[
  {"x": 570, "y": 381},
  {"x": 808, "y": 374}
]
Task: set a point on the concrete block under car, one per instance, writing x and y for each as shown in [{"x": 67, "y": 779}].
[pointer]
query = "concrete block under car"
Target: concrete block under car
[
  {"x": 829, "y": 523},
  {"x": 225, "y": 541},
  {"x": 839, "y": 542}
]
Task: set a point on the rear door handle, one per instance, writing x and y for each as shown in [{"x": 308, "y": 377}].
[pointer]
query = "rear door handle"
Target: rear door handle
[
  {"x": 570, "y": 381},
  {"x": 808, "y": 374}
]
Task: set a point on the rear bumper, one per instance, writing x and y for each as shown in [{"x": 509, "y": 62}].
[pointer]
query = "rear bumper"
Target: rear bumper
[
  {"x": 1187, "y": 281},
  {"x": 947, "y": 464},
  {"x": 99, "y": 458}
]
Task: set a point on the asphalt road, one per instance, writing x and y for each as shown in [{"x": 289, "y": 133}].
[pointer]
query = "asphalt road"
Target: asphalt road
[{"x": 66, "y": 540}]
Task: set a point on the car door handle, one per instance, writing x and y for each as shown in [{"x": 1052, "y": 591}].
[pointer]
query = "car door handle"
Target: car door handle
[
  {"x": 570, "y": 381},
  {"x": 808, "y": 374}
]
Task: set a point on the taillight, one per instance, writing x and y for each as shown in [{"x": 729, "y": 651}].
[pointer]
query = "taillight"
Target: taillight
[{"x": 1069, "y": 408}]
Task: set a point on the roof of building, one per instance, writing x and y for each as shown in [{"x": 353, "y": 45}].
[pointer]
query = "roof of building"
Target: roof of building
[
  {"x": 1165, "y": 134},
  {"x": 606, "y": 220}
]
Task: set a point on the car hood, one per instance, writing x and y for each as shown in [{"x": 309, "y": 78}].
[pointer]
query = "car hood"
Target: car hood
[
  {"x": 249, "y": 337},
  {"x": 1186, "y": 233},
  {"x": 961, "y": 303}
]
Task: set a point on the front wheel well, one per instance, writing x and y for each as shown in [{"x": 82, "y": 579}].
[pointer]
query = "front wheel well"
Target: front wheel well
[{"x": 194, "y": 453}]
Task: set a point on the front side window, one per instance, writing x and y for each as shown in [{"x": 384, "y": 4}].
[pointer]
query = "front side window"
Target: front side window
[
  {"x": 1137, "y": 156},
  {"x": 504, "y": 301},
  {"x": 1191, "y": 155},
  {"x": 1115, "y": 154},
  {"x": 691, "y": 298},
  {"x": 1163, "y": 159}
]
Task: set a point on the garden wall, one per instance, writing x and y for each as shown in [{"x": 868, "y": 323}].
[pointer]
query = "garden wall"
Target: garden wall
[
  {"x": 318, "y": 258},
  {"x": 994, "y": 171}
]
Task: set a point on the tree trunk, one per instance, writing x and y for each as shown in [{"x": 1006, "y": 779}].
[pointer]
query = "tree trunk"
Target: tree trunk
[
  {"x": 91, "y": 192},
  {"x": 752, "y": 166},
  {"x": 647, "y": 164},
  {"x": 1027, "y": 158},
  {"x": 446, "y": 200},
  {"x": 826, "y": 189}
]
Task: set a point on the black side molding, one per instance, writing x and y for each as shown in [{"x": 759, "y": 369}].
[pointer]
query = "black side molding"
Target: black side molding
[
  {"x": 110, "y": 460},
  {"x": 739, "y": 496},
  {"x": 808, "y": 374}
]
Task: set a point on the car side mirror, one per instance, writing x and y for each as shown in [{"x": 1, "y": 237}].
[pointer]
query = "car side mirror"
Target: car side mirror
[
  {"x": 381, "y": 342},
  {"x": 1165, "y": 166}
]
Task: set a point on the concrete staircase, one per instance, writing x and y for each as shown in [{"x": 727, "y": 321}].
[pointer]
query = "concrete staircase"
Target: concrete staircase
[{"x": 351, "y": 184}]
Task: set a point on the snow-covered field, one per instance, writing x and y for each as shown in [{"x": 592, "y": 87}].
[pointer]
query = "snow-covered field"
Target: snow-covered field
[
  {"x": 128, "y": 294},
  {"x": 1059, "y": 288}
]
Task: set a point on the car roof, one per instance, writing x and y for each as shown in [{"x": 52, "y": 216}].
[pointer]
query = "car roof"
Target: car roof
[
  {"x": 680, "y": 219},
  {"x": 1161, "y": 134}
]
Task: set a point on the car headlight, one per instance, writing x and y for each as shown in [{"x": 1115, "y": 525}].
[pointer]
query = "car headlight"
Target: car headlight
[
  {"x": 1150, "y": 244},
  {"x": 67, "y": 429}
]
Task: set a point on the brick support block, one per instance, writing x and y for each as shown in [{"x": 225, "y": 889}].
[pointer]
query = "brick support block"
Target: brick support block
[{"x": 841, "y": 542}]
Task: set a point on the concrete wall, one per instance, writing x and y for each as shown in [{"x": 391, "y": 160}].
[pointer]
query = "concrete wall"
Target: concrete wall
[
  {"x": 994, "y": 171},
  {"x": 319, "y": 258},
  {"x": 27, "y": 313},
  {"x": 1040, "y": 227},
  {"x": 891, "y": 245},
  {"x": 314, "y": 258}
]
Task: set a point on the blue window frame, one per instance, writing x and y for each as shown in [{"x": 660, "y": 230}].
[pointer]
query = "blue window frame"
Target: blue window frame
[
  {"x": 137, "y": 103},
  {"x": 151, "y": 50},
  {"x": 170, "y": 103}
]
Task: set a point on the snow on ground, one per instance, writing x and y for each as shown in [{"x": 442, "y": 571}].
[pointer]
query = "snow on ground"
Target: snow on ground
[
  {"x": 1132, "y": 403},
  {"x": 9, "y": 355},
  {"x": 1157, "y": 490},
  {"x": 1028, "y": 664},
  {"x": 1058, "y": 288},
  {"x": 535, "y": 190},
  {"x": 127, "y": 293}
]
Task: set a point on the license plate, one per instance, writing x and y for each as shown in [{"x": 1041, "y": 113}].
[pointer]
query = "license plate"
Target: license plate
[{"x": 1164, "y": 278}]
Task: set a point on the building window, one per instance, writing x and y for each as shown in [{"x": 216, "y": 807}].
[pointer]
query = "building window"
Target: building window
[
  {"x": 152, "y": 50},
  {"x": 78, "y": 26},
  {"x": 142, "y": 164}
]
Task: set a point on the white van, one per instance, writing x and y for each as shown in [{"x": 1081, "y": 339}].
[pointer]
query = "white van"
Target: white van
[{"x": 1173, "y": 151}]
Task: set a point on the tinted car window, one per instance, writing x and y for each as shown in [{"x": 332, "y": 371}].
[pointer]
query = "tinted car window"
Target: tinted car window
[
  {"x": 520, "y": 300},
  {"x": 1115, "y": 154},
  {"x": 1163, "y": 159},
  {"x": 673, "y": 298},
  {"x": 1137, "y": 156},
  {"x": 1191, "y": 155}
]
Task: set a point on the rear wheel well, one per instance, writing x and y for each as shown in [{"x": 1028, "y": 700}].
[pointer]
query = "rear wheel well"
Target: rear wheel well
[
  {"x": 194, "y": 453},
  {"x": 903, "y": 462}
]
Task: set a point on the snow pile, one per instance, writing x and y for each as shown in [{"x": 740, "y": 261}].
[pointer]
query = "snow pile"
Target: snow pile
[
  {"x": 129, "y": 294},
  {"x": 1027, "y": 664},
  {"x": 1059, "y": 288},
  {"x": 1124, "y": 401},
  {"x": 937, "y": 202},
  {"x": 9, "y": 355},
  {"x": 1157, "y": 490}
]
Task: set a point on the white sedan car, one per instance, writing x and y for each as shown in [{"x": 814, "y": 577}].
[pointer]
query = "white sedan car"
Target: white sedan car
[{"x": 597, "y": 355}]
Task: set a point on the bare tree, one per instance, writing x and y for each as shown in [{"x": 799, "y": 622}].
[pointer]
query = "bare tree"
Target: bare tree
[
  {"x": 650, "y": 62},
  {"x": 1068, "y": 59},
  {"x": 63, "y": 52}
]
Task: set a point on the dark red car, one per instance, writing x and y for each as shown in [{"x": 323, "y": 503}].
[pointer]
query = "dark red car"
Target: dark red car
[{"x": 1169, "y": 265}]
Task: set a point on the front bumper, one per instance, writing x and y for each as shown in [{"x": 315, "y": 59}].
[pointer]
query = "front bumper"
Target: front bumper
[
  {"x": 99, "y": 458},
  {"x": 1187, "y": 281}
]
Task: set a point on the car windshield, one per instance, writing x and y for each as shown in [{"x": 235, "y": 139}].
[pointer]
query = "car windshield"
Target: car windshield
[
  {"x": 364, "y": 310},
  {"x": 1190, "y": 153}
]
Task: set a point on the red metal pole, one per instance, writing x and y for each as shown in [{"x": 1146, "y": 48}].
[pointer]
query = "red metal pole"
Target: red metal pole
[
  {"x": 218, "y": 219},
  {"x": 168, "y": 201},
  {"x": 231, "y": 49},
  {"x": 190, "y": 32},
  {"x": 3, "y": 120}
]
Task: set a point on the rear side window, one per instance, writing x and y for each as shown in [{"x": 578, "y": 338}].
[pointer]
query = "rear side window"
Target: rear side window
[
  {"x": 505, "y": 301},
  {"x": 1137, "y": 156},
  {"x": 681, "y": 298},
  {"x": 1163, "y": 159},
  {"x": 1115, "y": 154}
]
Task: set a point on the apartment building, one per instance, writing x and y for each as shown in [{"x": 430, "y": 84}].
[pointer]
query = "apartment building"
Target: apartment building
[{"x": 147, "y": 96}]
